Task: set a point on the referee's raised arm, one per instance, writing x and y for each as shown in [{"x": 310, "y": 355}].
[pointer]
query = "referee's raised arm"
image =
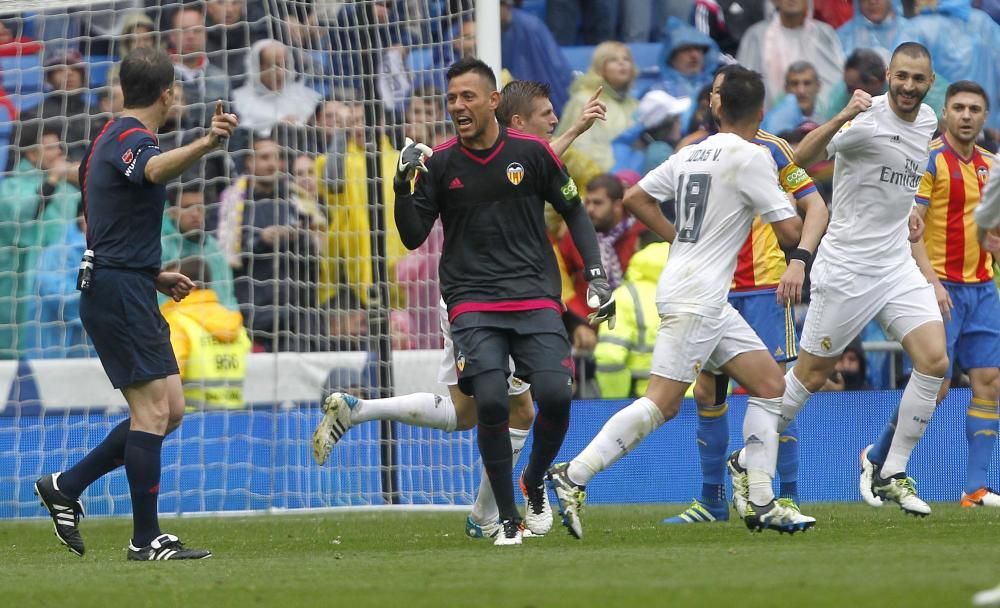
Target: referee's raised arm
[{"x": 164, "y": 167}]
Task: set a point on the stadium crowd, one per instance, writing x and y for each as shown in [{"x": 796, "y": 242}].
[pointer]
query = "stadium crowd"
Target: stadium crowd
[{"x": 280, "y": 221}]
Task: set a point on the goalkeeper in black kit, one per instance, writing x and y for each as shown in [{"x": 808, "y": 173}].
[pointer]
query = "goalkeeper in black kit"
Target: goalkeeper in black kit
[{"x": 499, "y": 276}]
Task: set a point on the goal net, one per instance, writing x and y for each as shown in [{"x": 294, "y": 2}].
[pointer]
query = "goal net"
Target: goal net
[{"x": 290, "y": 226}]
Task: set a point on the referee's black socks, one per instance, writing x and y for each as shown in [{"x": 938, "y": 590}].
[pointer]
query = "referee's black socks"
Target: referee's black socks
[
  {"x": 142, "y": 466},
  {"x": 106, "y": 457}
]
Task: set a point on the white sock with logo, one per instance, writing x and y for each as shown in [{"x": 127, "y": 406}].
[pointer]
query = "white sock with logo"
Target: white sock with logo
[
  {"x": 485, "y": 510},
  {"x": 419, "y": 409},
  {"x": 915, "y": 410},
  {"x": 616, "y": 438}
]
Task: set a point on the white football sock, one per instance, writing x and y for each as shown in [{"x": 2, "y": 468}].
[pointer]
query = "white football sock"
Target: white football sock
[
  {"x": 619, "y": 435},
  {"x": 915, "y": 410},
  {"x": 419, "y": 409},
  {"x": 485, "y": 508},
  {"x": 792, "y": 401},
  {"x": 760, "y": 438}
]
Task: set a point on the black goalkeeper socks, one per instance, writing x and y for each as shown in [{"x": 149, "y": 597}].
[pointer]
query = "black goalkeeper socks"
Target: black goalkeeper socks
[
  {"x": 106, "y": 457},
  {"x": 142, "y": 466},
  {"x": 548, "y": 438}
]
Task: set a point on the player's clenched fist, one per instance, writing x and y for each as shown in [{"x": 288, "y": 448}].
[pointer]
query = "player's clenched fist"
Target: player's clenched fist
[
  {"x": 411, "y": 160},
  {"x": 860, "y": 102},
  {"x": 223, "y": 125}
]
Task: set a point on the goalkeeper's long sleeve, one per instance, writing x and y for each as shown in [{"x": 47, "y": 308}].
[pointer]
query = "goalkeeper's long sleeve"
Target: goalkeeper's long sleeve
[
  {"x": 415, "y": 212},
  {"x": 584, "y": 236}
]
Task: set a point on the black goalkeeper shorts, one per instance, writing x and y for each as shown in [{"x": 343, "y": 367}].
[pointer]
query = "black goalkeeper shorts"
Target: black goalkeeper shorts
[{"x": 535, "y": 339}]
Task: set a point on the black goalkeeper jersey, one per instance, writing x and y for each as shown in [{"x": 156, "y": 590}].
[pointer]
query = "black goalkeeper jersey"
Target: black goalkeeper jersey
[{"x": 497, "y": 255}]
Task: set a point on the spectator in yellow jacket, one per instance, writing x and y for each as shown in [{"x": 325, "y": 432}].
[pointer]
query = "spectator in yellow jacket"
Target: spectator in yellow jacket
[{"x": 210, "y": 343}]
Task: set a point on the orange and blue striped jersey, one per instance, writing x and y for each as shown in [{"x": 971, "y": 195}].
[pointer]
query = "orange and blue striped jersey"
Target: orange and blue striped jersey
[
  {"x": 950, "y": 188},
  {"x": 761, "y": 262}
]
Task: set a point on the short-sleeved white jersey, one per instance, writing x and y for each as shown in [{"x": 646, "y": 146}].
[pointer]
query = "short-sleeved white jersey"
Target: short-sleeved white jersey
[
  {"x": 718, "y": 186},
  {"x": 879, "y": 160},
  {"x": 988, "y": 211}
]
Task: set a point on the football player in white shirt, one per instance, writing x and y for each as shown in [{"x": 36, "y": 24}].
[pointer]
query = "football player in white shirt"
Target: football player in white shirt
[
  {"x": 719, "y": 185},
  {"x": 864, "y": 268}
]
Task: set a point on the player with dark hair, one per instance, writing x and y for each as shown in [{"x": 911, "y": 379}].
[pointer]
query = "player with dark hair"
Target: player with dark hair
[
  {"x": 719, "y": 186},
  {"x": 961, "y": 272},
  {"x": 122, "y": 179},
  {"x": 499, "y": 277},
  {"x": 764, "y": 289},
  {"x": 865, "y": 270},
  {"x": 528, "y": 110}
]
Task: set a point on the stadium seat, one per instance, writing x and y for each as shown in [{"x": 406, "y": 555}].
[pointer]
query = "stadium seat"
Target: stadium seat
[
  {"x": 420, "y": 60},
  {"x": 535, "y": 7},
  {"x": 23, "y": 80},
  {"x": 98, "y": 67},
  {"x": 6, "y": 131}
]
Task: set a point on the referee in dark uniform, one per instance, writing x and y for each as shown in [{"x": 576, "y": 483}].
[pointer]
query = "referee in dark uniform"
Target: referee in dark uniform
[
  {"x": 499, "y": 276},
  {"x": 122, "y": 180}
]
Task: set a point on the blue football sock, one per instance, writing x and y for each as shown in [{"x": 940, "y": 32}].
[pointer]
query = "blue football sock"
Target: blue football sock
[
  {"x": 981, "y": 433},
  {"x": 881, "y": 449},
  {"x": 788, "y": 462},
  {"x": 713, "y": 443}
]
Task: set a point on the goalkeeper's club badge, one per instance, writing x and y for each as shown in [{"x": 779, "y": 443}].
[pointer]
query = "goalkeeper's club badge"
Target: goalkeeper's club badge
[
  {"x": 515, "y": 173},
  {"x": 460, "y": 363},
  {"x": 826, "y": 343}
]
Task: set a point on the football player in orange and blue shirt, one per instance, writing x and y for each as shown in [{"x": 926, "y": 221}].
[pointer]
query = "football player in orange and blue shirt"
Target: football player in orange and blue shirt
[
  {"x": 961, "y": 272},
  {"x": 764, "y": 288}
]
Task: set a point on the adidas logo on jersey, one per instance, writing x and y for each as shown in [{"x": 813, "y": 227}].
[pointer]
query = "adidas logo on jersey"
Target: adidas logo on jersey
[
  {"x": 456, "y": 184},
  {"x": 894, "y": 139}
]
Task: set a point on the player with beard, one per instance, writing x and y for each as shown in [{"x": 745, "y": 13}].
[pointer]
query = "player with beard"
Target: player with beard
[
  {"x": 525, "y": 106},
  {"x": 961, "y": 272},
  {"x": 499, "y": 276},
  {"x": 864, "y": 270}
]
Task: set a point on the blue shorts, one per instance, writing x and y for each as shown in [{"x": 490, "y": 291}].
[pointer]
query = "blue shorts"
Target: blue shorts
[
  {"x": 973, "y": 333},
  {"x": 131, "y": 337},
  {"x": 774, "y": 324}
]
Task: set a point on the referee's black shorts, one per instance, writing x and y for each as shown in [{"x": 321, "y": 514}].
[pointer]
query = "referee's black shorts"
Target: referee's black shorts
[
  {"x": 486, "y": 341},
  {"x": 122, "y": 318}
]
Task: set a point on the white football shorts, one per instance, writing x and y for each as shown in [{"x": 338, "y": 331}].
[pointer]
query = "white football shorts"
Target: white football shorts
[
  {"x": 689, "y": 343},
  {"x": 448, "y": 375},
  {"x": 842, "y": 302}
]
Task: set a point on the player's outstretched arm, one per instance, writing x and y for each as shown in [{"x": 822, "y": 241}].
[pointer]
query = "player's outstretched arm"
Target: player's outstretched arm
[
  {"x": 812, "y": 149},
  {"x": 593, "y": 111},
  {"x": 788, "y": 231},
  {"x": 817, "y": 216},
  {"x": 647, "y": 210},
  {"x": 164, "y": 167}
]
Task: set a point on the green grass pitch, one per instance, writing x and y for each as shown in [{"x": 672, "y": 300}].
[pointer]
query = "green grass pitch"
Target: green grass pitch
[{"x": 856, "y": 557}]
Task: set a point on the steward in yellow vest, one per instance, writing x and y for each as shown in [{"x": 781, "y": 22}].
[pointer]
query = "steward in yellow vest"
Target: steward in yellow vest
[
  {"x": 210, "y": 343},
  {"x": 625, "y": 354}
]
